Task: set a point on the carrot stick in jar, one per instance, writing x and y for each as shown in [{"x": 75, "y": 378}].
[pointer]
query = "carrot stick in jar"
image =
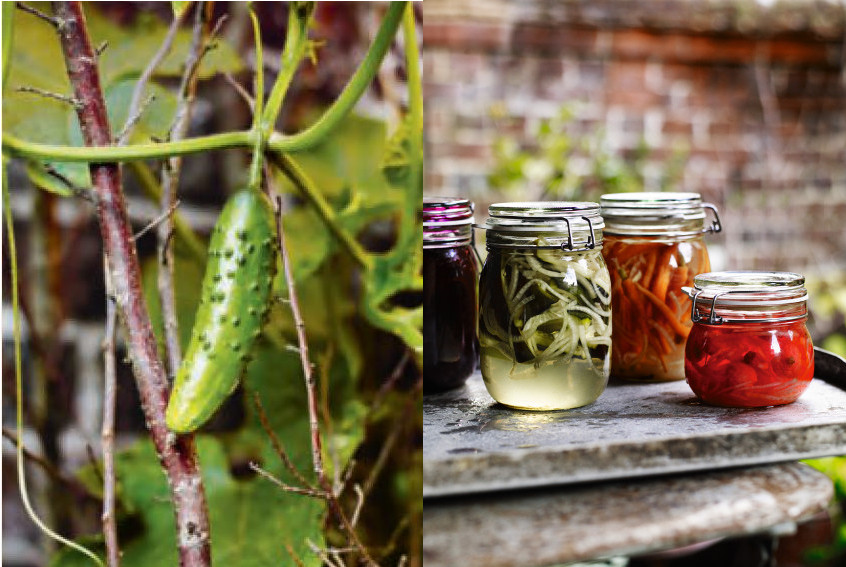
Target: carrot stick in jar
[{"x": 662, "y": 273}]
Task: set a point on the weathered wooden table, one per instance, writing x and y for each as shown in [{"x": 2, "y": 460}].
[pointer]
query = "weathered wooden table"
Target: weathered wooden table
[{"x": 638, "y": 470}]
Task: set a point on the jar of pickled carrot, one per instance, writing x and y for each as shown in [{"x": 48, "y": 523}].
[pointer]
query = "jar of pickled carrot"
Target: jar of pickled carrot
[
  {"x": 653, "y": 246},
  {"x": 749, "y": 346},
  {"x": 545, "y": 305},
  {"x": 450, "y": 272}
]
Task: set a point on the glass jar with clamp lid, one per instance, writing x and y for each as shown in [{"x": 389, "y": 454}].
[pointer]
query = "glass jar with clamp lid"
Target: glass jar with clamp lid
[
  {"x": 653, "y": 246},
  {"x": 545, "y": 305},
  {"x": 749, "y": 346}
]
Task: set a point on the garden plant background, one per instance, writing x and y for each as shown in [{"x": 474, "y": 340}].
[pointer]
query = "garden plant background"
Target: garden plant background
[{"x": 350, "y": 189}]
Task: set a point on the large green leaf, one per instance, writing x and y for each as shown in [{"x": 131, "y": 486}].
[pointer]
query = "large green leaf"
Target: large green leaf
[
  {"x": 367, "y": 178},
  {"x": 345, "y": 167},
  {"x": 8, "y": 16},
  {"x": 132, "y": 47},
  {"x": 252, "y": 520},
  {"x": 348, "y": 159},
  {"x": 399, "y": 270},
  {"x": 37, "y": 62},
  {"x": 154, "y": 122}
]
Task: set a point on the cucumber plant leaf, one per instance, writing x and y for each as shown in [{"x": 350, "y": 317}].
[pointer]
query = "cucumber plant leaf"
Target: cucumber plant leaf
[
  {"x": 39, "y": 177},
  {"x": 37, "y": 62},
  {"x": 366, "y": 177},
  {"x": 399, "y": 270},
  {"x": 8, "y": 19},
  {"x": 247, "y": 528}
]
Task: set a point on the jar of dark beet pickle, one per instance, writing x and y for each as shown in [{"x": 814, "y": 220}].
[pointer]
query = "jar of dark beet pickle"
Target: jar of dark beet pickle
[
  {"x": 450, "y": 272},
  {"x": 749, "y": 346}
]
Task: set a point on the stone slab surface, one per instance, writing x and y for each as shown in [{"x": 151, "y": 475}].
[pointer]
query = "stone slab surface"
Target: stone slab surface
[
  {"x": 472, "y": 444},
  {"x": 572, "y": 523}
]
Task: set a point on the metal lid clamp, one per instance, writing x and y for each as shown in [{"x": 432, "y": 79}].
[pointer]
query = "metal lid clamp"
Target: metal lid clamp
[
  {"x": 757, "y": 297},
  {"x": 716, "y": 224},
  {"x": 713, "y": 318}
]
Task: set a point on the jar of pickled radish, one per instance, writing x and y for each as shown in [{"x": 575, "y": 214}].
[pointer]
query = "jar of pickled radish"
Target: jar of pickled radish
[
  {"x": 749, "y": 346},
  {"x": 653, "y": 246},
  {"x": 545, "y": 306},
  {"x": 450, "y": 271}
]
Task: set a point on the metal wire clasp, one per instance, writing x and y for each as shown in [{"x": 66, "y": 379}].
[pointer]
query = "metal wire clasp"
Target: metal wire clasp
[
  {"x": 713, "y": 318},
  {"x": 716, "y": 225},
  {"x": 591, "y": 241}
]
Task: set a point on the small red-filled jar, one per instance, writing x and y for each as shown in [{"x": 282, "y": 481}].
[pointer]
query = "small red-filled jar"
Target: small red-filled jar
[
  {"x": 450, "y": 275},
  {"x": 749, "y": 346}
]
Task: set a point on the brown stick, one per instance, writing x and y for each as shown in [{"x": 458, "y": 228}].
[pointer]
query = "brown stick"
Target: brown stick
[
  {"x": 170, "y": 180},
  {"x": 311, "y": 396},
  {"x": 107, "y": 433},
  {"x": 277, "y": 443},
  {"x": 176, "y": 453},
  {"x": 136, "y": 109}
]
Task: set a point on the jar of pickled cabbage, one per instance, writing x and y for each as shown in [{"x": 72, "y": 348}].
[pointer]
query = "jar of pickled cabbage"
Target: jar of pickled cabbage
[
  {"x": 450, "y": 271},
  {"x": 749, "y": 346},
  {"x": 653, "y": 246},
  {"x": 545, "y": 306}
]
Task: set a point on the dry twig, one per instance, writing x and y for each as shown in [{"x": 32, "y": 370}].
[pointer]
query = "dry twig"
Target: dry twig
[
  {"x": 107, "y": 433},
  {"x": 49, "y": 94},
  {"x": 242, "y": 92},
  {"x": 37, "y": 13},
  {"x": 156, "y": 221},
  {"x": 287, "y": 487},
  {"x": 324, "y": 483},
  {"x": 171, "y": 168},
  {"x": 277, "y": 444}
]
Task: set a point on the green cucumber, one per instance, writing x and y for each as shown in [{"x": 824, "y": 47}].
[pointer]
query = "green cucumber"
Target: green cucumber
[{"x": 233, "y": 305}]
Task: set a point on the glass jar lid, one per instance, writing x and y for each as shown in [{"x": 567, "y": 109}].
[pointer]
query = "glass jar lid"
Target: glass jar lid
[
  {"x": 747, "y": 296},
  {"x": 447, "y": 221},
  {"x": 570, "y": 225},
  {"x": 657, "y": 214}
]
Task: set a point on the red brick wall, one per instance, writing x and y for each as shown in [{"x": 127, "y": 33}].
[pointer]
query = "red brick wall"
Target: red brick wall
[{"x": 753, "y": 92}]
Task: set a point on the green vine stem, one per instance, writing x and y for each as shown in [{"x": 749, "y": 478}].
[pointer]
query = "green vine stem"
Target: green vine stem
[
  {"x": 276, "y": 142},
  {"x": 306, "y": 187},
  {"x": 296, "y": 47},
  {"x": 16, "y": 331},
  {"x": 105, "y": 154},
  {"x": 415, "y": 109},
  {"x": 258, "y": 105},
  {"x": 354, "y": 89}
]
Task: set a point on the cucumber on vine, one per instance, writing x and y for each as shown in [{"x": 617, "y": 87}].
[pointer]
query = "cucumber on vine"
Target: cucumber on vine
[{"x": 233, "y": 305}]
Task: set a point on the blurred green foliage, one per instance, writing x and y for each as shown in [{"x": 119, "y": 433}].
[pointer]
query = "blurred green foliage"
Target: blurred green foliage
[
  {"x": 834, "y": 554},
  {"x": 827, "y": 294},
  {"x": 560, "y": 163}
]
